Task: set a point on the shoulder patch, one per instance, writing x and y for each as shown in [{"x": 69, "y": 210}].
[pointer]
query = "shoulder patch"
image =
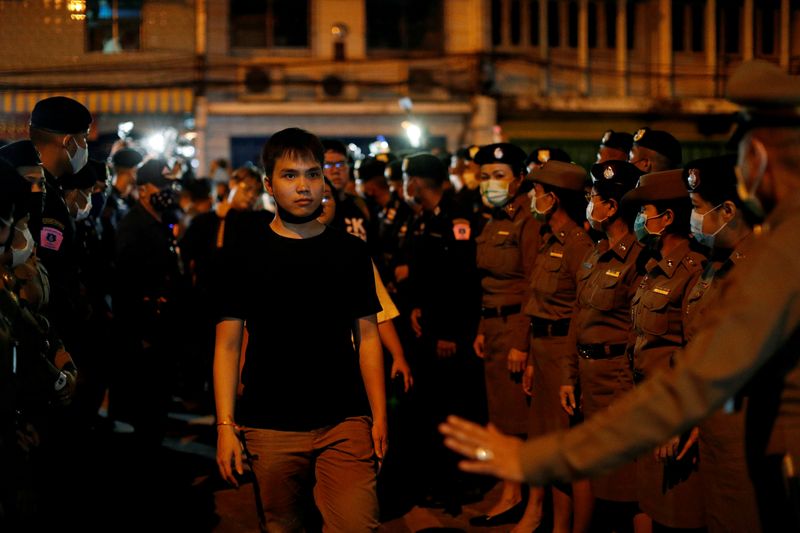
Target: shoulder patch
[
  {"x": 51, "y": 238},
  {"x": 461, "y": 229}
]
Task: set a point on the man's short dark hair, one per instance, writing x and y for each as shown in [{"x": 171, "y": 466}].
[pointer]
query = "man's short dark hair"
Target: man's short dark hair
[
  {"x": 332, "y": 145},
  {"x": 291, "y": 142}
]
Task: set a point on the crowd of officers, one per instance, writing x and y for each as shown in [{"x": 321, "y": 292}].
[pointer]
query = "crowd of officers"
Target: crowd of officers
[{"x": 531, "y": 292}]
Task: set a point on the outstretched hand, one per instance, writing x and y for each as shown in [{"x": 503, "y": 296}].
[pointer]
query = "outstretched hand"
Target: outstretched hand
[{"x": 489, "y": 451}]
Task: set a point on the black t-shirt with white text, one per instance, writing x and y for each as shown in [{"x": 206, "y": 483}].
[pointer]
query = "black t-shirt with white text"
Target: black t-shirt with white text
[{"x": 299, "y": 299}]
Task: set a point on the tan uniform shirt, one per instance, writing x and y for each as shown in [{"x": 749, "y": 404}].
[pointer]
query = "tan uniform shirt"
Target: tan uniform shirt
[
  {"x": 752, "y": 332},
  {"x": 657, "y": 308},
  {"x": 607, "y": 281},
  {"x": 553, "y": 280}
]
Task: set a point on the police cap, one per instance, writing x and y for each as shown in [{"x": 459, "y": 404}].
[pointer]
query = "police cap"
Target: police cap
[
  {"x": 425, "y": 166},
  {"x": 154, "y": 171},
  {"x": 618, "y": 140},
  {"x": 93, "y": 171},
  {"x": 658, "y": 186},
  {"x": 660, "y": 142},
  {"x": 127, "y": 158},
  {"x": 612, "y": 179},
  {"x": 467, "y": 153},
  {"x": 769, "y": 97},
  {"x": 60, "y": 114},
  {"x": 560, "y": 174},
  {"x": 505, "y": 153},
  {"x": 370, "y": 167},
  {"x": 543, "y": 154},
  {"x": 21, "y": 154},
  {"x": 713, "y": 178}
]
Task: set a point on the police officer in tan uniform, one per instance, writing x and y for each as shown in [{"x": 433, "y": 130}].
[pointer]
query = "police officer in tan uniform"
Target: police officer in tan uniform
[
  {"x": 557, "y": 201},
  {"x": 506, "y": 251},
  {"x": 718, "y": 222},
  {"x": 607, "y": 281},
  {"x": 668, "y": 483}
]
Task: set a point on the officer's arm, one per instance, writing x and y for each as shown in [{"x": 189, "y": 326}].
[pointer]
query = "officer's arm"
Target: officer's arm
[{"x": 370, "y": 358}]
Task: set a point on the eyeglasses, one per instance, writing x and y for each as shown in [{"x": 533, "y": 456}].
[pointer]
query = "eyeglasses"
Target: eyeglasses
[{"x": 338, "y": 164}]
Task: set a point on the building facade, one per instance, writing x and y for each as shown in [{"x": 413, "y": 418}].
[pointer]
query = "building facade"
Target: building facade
[{"x": 532, "y": 71}]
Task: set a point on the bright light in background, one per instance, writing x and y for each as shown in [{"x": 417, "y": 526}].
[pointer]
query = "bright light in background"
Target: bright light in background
[
  {"x": 187, "y": 151},
  {"x": 124, "y": 129},
  {"x": 413, "y": 132},
  {"x": 379, "y": 146},
  {"x": 156, "y": 143},
  {"x": 77, "y": 9}
]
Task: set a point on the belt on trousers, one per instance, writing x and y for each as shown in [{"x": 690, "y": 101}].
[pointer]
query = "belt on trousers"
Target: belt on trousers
[
  {"x": 601, "y": 351},
  {"x": 541, "y": 327},
  {"x": 501, "y": 312}
]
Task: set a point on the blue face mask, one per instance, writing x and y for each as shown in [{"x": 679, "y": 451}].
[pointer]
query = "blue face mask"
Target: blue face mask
[
  {"x": 696, "y": 224},
  {"x": 644, "y": 235}
]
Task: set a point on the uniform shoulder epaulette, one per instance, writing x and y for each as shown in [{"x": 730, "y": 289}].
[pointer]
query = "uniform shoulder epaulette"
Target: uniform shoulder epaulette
[{"x": 694, "y": 261}]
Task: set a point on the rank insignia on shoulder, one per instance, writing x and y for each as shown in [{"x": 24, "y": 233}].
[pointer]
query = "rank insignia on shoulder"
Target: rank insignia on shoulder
[
  {"x": 51, "y": 238},
  {"x": 588, "y": 266},
  {"x": 503, "y": 233},
  {"x": 664, "y": 292},
  {"x": 461, "y": 230},
  {"x": 559, "y": 255},
  {"x": 612, "y": 273}
]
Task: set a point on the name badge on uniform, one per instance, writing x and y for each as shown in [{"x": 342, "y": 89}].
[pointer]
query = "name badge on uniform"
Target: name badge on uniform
[
  {"x": 461, "y": 229},
  {"x": 503, "y": 233},
  {"x": 559, "y": 255},
  {"x": 658, "y": 290},
  {"x": 612, "y": 273},
  {"x": 51, "y": 238}
]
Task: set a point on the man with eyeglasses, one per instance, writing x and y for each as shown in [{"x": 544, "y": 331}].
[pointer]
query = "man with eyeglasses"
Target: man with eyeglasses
[{"x": 352, "y": 214}]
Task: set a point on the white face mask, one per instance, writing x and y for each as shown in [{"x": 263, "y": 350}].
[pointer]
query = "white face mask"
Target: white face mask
[
  {"x": 696, "y": 224},
  {"x": 83, "y": 213},
  {"x": 494, "y": 193},
  {"x": 80, "y": 158},
  {"x": 19, "y": 256},
  {"x": 593, "y": 222}
]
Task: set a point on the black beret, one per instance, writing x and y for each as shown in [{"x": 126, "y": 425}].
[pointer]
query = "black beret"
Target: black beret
[
  {"x": 560, "y": 174},
  {"x": 713, "y": 178},
  {"x": 658, "y": 186},
  {"x": 612, "y": 179},
  {"x": 543, "y": 154},
  {"x": 369, "y": 167},
  {"x": 619, "y": 140},
  {"x": 127, "y": 158},
  {"x": 426, "y": 166},
  {"x": 155, "y": 171},
  {"x": 20, "y": 154},
  {"x": 197, "y": 188},
  {"x": 394, "y": 170},
  {"x": 60, "y": 114},
  {"x": 86, "y": 177},
  {"x": 769, "y": 97},
  {"x": 660, "y": 142},
  {"x": 505, "y": 153}
]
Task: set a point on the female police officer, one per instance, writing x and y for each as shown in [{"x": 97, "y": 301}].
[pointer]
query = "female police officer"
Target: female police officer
[{"x": 506, "y": 250}]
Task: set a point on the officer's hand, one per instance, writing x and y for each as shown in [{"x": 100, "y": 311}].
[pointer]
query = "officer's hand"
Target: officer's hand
[
  {"x": 401, "y": 273},
  {"x": 478, "y": 344},
  {"x": 445, "y": 348},
  {"x": 567, "y": 394},
  {"x": 400, "y": 366},
  {"x": 517, "y": 360},
  {"x": 490, "y": 451},
  {"x": 229, "y": 454},
  {"x": 380, "y": 438},
  {"x": 694, "y": 435},
  {"x": 668, "y": 450},
  {"x": 527, "y": 380},
  {"x": 416, "y": 314}
]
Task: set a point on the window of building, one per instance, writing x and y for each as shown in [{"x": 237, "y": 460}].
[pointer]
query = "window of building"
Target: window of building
[
  {"x": 497, "y": 22},
  {"x": 688, "y": 21},
  {"x": 113, "y": 25},
  {"x": 729, "y": 26},
  {"x": 593, "y": 25},
  {"x": 269, "y": 24},
  {"x": 767, "y": 27},
  {"x": 533, "y": 17},
  {"x": 406, "y": 25},
  {"x": 516, "y": 19},
  {"x": 553, "y": 24},
  {"x": 572, "y": 28}
]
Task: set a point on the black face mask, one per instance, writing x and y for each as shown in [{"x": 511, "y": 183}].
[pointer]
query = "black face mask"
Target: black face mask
[
  {"x": 98, "y": 204},
  {"x": 164, "y": 200},
  {"x": 292, "y": 219}
]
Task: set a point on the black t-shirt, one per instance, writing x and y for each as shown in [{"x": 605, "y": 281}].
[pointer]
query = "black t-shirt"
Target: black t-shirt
[{"x": 300, "y": 299}]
